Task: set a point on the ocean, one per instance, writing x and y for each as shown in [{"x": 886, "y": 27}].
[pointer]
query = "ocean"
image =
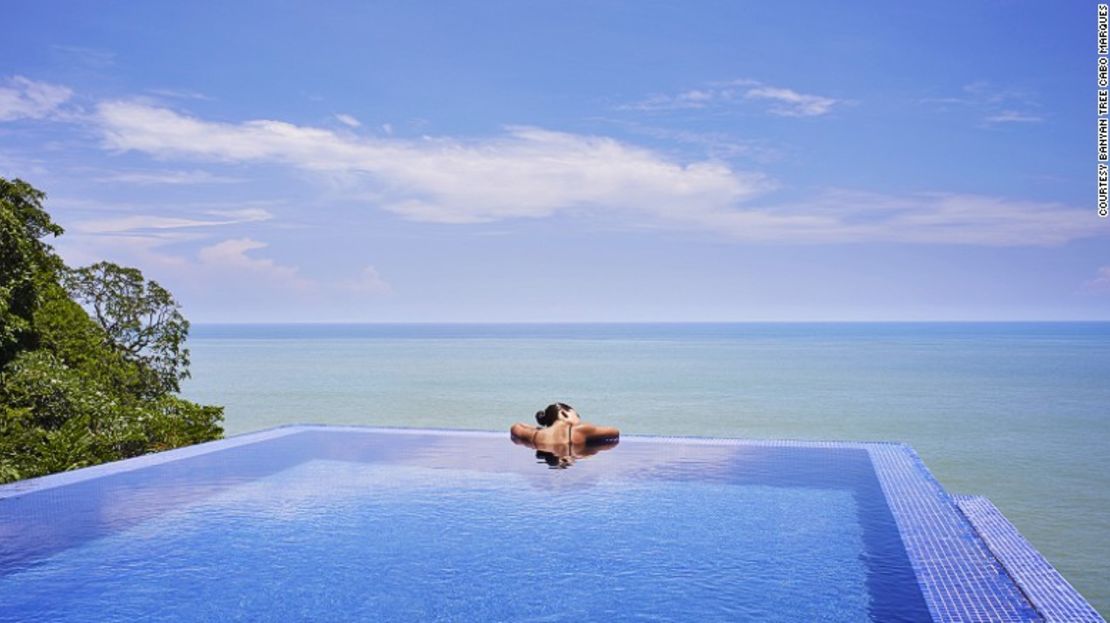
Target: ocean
[{"x": 1018, "y": 412}]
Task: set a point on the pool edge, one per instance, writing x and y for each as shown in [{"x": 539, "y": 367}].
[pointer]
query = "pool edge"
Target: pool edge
[{"x": 1045, "y": 587}]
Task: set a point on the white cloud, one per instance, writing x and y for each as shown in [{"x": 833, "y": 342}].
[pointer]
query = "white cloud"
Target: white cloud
[
  {"x": 231, "y": 255},
  {"x": 369, "y": 281},
  {"x": 244, "y": 215},
  {"x": 182, "y": 94},
  {"x": 27, "y": 99},
  {"x": 27, "y": 167},
  {"x": 166, "y": 177},
  {"x": 791, "y": 103},
  {"x": 231, "y": 266},
  {"x": 994, "y": 104},
  {"x": 688, "y": 99},
  {"x": 788, "y": 102},
  {"x": 145, "y": 222},
  {"x": 533, "y": 173},
  {"x": 1101, "y": 282},
  {"x": 232, "y": 259},
  {"x": 348, "y": 120},
  {"x": 719, "y": 145},
  {"x": 146, "y": 249},
  {"x": 846, "y": 216},
  {"x": 1013, "y": 116},
  {"x": 527, "y": 172}
]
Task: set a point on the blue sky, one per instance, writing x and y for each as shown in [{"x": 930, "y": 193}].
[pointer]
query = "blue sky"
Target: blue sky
[{"x": 570, "y": 161}]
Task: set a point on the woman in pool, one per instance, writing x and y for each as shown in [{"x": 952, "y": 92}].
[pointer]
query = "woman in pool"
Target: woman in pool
[{"x": 559, "y": 424}]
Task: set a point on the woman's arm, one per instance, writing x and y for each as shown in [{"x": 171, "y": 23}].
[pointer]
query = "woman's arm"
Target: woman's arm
[
  {"x": 523, "y": 432},
  {"x": 593, "y": 433}
]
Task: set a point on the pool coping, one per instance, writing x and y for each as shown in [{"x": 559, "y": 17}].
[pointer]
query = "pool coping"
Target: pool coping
[
  {"x": 971, "y": 563},
  {"x": 1053, "y": 596}
]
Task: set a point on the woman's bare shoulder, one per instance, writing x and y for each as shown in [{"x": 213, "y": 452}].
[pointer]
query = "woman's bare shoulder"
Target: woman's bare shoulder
[{"x": 521, "y": 429}]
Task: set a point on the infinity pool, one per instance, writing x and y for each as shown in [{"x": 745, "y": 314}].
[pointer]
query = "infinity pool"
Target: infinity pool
[{"x": 353, "y": 524}]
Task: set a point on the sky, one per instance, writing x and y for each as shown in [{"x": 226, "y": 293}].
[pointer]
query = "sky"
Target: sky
[{"x": 570, "y": 161}]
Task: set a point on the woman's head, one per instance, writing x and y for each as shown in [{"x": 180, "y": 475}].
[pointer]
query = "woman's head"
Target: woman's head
[{"x": 555, "y": 412}]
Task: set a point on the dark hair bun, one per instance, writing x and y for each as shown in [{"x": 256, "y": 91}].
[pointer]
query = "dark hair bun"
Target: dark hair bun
[{"x": 548, "y": 416}]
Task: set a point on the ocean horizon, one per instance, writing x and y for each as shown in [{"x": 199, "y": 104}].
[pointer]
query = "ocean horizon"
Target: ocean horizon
[{"x": 1015, "y": 411}]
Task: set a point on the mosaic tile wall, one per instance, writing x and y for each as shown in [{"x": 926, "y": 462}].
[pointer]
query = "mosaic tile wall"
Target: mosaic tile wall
[{"x": 1054, "y": 598}]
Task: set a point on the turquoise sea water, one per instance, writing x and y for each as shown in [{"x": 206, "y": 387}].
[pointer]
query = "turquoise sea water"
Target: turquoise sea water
[{"x": 1017, "y": 412}]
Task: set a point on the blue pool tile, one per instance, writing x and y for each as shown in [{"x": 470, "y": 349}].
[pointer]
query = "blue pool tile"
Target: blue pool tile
[{"x": 1041, "y": 583}]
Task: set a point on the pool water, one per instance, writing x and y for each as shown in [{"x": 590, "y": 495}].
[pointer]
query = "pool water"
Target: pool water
[{"x": 352, "y": 525}]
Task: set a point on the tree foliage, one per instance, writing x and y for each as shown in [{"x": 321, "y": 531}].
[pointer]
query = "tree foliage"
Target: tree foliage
[
  {"x": 75, "y": 389},
  {"x": 141, "y": 319},
  {"x": 26, "y": 263}
]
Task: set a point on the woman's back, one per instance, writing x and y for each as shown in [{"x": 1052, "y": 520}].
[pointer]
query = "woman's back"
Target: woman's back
[
  {"x": 582, "y": 432},
  {"x": 563, "y": 431}
]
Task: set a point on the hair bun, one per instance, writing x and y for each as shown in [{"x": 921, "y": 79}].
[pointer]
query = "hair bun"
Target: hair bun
[{"x": 539, "y": 418}]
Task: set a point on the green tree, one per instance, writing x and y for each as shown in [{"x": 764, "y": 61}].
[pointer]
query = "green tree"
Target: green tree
[
  {"x": 74, "y": 390},
  {"x": 27, "y": 264},
  {"x": 140, "y": 318}
]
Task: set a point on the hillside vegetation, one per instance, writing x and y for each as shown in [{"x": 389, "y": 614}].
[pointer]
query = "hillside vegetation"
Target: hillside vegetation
[{"x": 91, "y": 359}]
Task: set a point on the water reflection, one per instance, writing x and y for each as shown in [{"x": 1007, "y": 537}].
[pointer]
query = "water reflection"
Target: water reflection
[{"x": 563, "y": 455}]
